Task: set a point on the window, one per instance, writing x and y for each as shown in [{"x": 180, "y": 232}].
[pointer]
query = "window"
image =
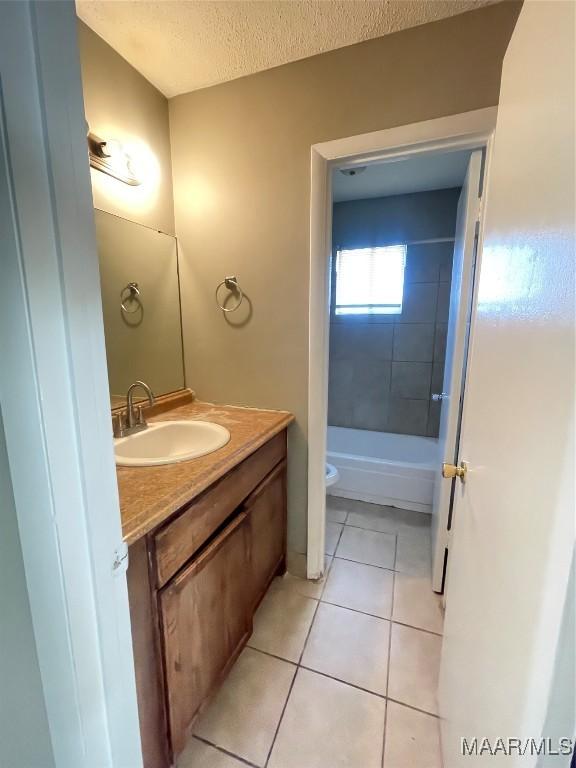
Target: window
[{"x": 370, "y": 281}]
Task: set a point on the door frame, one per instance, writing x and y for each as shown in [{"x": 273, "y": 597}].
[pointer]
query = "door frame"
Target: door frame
[
  {"x": 467, "y": 130},
  {"x": 54, "y": 397}
]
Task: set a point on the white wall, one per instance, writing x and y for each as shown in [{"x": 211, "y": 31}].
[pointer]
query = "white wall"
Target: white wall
[
  {"x": 561, "y": 716},
  {"x": 24, "y": 735}
]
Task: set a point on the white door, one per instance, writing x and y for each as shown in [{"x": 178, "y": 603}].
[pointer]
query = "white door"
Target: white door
[
  {"x": 513, "y": 532},
  {"x": 54, "y": 400},
  {"x": 456, "y": 347}
]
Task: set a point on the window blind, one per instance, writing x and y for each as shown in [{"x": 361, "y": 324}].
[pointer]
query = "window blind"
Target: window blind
[{"x": 370, "y": 281}]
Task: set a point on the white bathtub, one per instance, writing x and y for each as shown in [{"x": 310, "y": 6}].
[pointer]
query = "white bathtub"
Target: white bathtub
[{"x": 397, "y": 470}]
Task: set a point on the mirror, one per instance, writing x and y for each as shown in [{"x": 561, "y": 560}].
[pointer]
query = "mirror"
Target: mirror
[{"x": 141, "y": 305}]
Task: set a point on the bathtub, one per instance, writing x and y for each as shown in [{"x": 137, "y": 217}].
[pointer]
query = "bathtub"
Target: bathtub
[{"x": 396, "y": 470}]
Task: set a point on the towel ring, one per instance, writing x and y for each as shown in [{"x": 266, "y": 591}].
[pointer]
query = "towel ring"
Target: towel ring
[
  {"x": 132, "y": 295},
  {"x": 232, "y": 284}
]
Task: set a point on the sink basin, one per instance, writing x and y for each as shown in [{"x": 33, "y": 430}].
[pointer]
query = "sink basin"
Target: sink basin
[{"x": 167, "y": 442}]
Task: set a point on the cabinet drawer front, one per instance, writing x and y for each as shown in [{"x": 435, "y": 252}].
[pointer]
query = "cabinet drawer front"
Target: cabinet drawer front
[
  {"x": 182, "y": 537},
  {"x": 205, "y": 619}
]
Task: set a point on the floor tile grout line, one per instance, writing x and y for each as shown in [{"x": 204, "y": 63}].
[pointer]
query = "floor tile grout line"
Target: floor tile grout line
[
  {"x": 384, "y": 733},
  {"x": 298, "y": 666},
  {"x": 361, "y": 562},
  {"x": 274, "y": 656},
  {"x": 370, "y": 530},
  {"x": 345, "y": 682},
  {"x": 389, "y": 619},
  {"x": 389, "y": 654},
  {"x": 224, "y": 751},
  {"x": 337, "y": 522},
  {"x": 376, "y": 616},
  {"x": 405, "y": 536},
  {"x": 382, "y": 567},
  {"x": 370, "y": 565},
  {"x": 308, "y": 633},
  {"x": 322, "y": 599},
  {"x": 414, "y": 709},
  {"x": 356, "y": 610},
  {"x": 326, "y": 576},
  {"x": 281, "y": 717},
  {"x": 333, "y": 554},
  {"x": 413, "y": 626},
  {"x": 366, "y": 690}
]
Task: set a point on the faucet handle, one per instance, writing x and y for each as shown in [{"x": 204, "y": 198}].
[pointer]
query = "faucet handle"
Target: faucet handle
[
  {"x": 118, "y": 424},
  {"x": 140, "y": 420}
]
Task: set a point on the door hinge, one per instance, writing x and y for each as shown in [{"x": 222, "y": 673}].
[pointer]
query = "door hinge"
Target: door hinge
[
  {"x": 480, "y": 209},
  {"x": 120, "y": 562},
  {"x": 480, "y": 212}
]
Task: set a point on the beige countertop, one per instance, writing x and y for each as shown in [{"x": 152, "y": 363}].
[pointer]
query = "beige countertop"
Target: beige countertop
[{"x": 150, "y": 495}]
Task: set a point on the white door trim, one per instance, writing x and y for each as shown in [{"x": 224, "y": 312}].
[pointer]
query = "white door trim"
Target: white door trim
[
  {"x": 54, "y": 395},
  {"x": 463, "y": 131}
]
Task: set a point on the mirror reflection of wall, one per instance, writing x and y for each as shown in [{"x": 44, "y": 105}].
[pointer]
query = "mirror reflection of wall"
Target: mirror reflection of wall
[{"x": 144, "y": 336}]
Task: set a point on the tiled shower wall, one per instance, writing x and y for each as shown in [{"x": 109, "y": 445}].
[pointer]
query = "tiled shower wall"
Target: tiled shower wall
[{"x": 384, "y": 368}]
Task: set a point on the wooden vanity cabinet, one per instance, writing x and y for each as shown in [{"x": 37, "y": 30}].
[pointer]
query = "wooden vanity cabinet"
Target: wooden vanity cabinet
[
  {"x": 194, "y": 585},
  {"x": 205, "y": 621},
  {"x": 266, "y": 515}
]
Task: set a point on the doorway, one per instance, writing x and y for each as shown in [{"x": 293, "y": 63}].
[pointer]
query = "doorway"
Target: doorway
[
  {"x": 401, "y": 275},
  {"x": 459, "y": 135}
]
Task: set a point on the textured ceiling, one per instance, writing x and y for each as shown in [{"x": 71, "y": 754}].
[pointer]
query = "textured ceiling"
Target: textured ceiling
[
  {"x": 183, "y": 45},
  {"x": 420, "y": 174}
]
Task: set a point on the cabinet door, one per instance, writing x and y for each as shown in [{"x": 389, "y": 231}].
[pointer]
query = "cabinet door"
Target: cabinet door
[
  {"x": 147, "y": 659},
  {"x": 205, "y": 619},
  {"x": 266, "y": 508}
]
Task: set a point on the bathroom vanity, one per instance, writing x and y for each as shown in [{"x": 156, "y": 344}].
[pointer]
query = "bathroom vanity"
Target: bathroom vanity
[{"x": 206, "y": 537}]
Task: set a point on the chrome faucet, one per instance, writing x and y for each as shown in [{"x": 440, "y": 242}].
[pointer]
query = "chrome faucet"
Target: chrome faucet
[{"x": 133, "y": 420}]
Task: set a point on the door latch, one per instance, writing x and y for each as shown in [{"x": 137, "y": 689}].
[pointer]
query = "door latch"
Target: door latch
[{"x": 452, "y": 470}]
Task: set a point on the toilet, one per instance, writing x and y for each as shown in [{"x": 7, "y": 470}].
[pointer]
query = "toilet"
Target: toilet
[{"x": 332, "y": 475}]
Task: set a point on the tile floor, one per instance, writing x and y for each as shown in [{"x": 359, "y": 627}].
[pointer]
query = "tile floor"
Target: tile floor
[{"x": 340, "y": 673}]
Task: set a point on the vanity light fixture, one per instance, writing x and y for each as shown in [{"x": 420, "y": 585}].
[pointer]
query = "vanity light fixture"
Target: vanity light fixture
[{"x": 111, "y": 158}]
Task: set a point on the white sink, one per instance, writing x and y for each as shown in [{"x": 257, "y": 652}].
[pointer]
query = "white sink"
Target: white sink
[{"x": 167, "y": 442}]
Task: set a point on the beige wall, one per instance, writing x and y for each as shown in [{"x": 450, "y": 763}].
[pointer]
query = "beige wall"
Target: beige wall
[
  {"x": 121, "y": 104},
  {"x": 241, "y": 169}
]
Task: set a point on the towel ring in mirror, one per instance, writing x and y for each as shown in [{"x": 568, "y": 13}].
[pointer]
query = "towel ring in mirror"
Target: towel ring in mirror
[{"x": 129, "y": 294}]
